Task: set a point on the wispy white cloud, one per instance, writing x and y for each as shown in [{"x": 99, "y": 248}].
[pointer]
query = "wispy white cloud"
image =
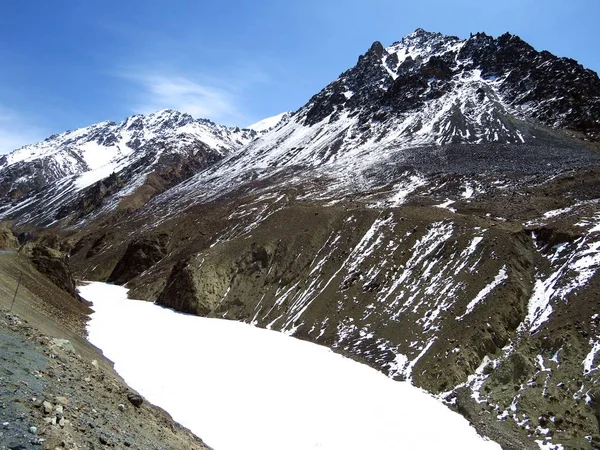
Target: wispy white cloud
[
  {"x": 220, "y": 99},
  {"x": 200, "y": 100},
  {"x": 16, "y": 132}
]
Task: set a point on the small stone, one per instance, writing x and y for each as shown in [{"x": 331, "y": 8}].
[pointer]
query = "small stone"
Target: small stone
[
  {"x": 59, "y": 410},
  {"x": 62, "y": 400},
  {"x": 16, "y": 446},
  {"x": 95, "y": 364},
  {"x": 63, "y": 344},
  {"x": 62, "y": 422},
  {"x": 87, "y": 379},
  {"x": 121, "y": 407},
  {"x": 33, "y": 430},
  {"x": 135, "y": 399},
  {"x": 48, "y": 408},
  {"x": 103, "y": 440},
  {"x": 5, "y": 425}
]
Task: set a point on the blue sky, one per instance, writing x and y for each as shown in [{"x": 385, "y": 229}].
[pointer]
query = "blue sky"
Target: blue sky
[{"x": 71, "y": 63}]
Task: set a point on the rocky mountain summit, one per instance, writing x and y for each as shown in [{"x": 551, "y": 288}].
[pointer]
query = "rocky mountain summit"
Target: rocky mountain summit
[
  {"x": 416, "y": 108},
  {"x": 450, "y": 90},
  {"x": 433, "y": 212}
]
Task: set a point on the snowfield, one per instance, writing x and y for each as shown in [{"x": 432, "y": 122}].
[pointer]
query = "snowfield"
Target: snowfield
[{"x": 241, "y": 387}]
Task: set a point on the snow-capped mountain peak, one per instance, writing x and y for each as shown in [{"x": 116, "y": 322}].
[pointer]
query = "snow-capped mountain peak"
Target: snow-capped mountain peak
[
  {"x": 93, "y": 146},
  {"x": 419, "y": 45},
  {"x": 269, "y": 122},
  {"x": 87, "y": 155}
]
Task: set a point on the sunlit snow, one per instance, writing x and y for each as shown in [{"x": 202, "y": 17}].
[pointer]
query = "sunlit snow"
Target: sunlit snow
[
  {"x": 501, "y": 277},
  {"x": 268, "y": 123},
  {"x": 238, "y": 386}
]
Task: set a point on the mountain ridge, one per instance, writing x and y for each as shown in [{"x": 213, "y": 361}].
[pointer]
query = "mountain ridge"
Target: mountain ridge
[{"x": 76, "y": 161}]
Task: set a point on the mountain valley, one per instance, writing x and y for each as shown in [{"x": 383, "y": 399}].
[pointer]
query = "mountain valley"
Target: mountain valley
[{"x": 434, "y": 213}]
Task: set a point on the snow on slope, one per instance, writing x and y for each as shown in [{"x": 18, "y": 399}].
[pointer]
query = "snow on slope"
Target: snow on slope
[
  {"x": 268, "y": 123},
  {"x": 237, "y": 386},
  {"x": 413, "y": 47},
  {"x": 105, "y": 143}
]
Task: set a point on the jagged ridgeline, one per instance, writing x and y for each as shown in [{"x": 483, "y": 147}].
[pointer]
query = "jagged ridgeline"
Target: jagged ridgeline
[{"x": 433, "y": 212}]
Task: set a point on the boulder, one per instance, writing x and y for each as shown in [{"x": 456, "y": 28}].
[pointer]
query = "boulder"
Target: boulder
[{"x": 135, "y": 399}]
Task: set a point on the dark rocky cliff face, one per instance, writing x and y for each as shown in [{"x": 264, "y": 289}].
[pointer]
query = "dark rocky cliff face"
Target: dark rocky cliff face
[
  {"x": 140, "y": 256},
  {"x": 53, "y": 264},
  {"x": 557, "y": 92},
  {"x": 564, "y": 93}
]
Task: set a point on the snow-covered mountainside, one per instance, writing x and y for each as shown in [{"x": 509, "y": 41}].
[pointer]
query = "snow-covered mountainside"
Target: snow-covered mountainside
[
  {"x": 416, "y": 108},
  {"x": 42, "y": 178},
  {"x": 269, "y": 122},
  {"x": 433, "y": 212}
]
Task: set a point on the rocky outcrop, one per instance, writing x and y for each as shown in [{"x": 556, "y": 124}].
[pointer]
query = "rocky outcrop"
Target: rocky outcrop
[
  {"x": 8, "y": 241},
  {"x": 195, "y": 287},
  {"x": 140, "y": 255},
  {"x": 53, "y": 264}
]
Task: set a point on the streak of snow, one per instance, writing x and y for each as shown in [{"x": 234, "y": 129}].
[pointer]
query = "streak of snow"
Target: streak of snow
[
  {"x": 588, "y": 362},
  {"x": 548, "y": 445},
  {"x": 446, "y": 205},
  {"x": 500, "y": 277},
  {"x": 571, "y": 271}
]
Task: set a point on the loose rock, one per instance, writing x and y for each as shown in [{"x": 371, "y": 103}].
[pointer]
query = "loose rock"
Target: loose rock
[
  {"x": 135, "y": 399},
  {"x": 48, "y": 407}
]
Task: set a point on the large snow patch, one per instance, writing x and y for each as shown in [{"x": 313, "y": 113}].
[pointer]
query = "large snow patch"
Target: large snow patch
[{"x": 241, "y": 387}]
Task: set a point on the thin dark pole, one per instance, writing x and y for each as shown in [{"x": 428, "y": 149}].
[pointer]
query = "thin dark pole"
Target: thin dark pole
[{"x": 16, "y": 290}]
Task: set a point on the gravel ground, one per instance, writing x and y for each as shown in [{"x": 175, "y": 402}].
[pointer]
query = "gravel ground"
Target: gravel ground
[{"x": 52, "y": 398}]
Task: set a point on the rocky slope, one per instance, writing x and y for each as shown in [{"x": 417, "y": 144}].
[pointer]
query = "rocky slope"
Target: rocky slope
[
  {"x": 434, "y": 292},
  {"x": 57, "y": 390},
  {"x": 51, "y": 398},
  {"x": 433, "y": 212}
]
